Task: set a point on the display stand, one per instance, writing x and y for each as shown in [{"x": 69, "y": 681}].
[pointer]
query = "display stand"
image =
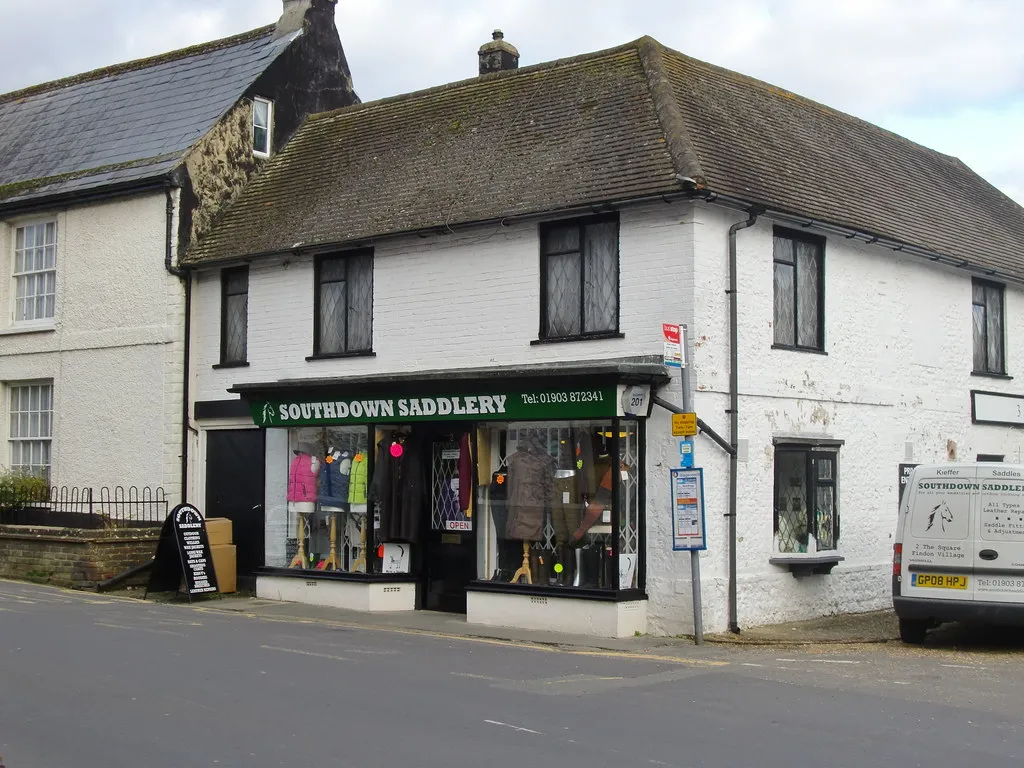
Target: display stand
[
  {"x": 361, "y": 560},
  {"x": 299, "y": 561},
  {"x": 524, "y": 569},
  {"x": 332, "y": 563}
]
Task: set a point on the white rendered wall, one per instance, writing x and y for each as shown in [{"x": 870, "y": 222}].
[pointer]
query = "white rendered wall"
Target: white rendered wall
[
  {"x": 369, "y": 597},
  {"x": 557, "y": 614},
  {"x": 114, "y": 350}
]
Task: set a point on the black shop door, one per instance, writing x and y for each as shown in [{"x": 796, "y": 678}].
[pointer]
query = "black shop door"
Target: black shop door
[
  {"x": 234, "y": 489},
  {"x": 450, "y": 546}
]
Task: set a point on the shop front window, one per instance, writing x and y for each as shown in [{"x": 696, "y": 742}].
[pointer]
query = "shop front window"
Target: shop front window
[
  {"x": 324, "y": 525},
  {"x": 552, "y": 495}
]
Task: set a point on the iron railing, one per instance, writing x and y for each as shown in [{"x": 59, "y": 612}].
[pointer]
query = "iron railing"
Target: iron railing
[{"x": 90, "y": 508}]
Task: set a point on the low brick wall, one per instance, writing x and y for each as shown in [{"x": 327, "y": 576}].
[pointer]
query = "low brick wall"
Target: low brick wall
[{"x": 73, "y": 557}]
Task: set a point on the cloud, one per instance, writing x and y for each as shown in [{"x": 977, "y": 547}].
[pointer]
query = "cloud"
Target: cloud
[
  {"x": 946, "y": 71},
  {"x": 986, "y": 139}
]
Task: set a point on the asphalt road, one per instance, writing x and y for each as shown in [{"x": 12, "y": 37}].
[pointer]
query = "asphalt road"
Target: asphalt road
[{"x": 88, "y": 681}]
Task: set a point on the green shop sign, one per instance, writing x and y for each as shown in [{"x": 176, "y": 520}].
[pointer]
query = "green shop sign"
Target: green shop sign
[{"x": 535, "y": 405}]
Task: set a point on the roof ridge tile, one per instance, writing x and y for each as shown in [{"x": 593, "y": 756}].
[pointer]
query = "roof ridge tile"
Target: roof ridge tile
[{"x": 684, "y": 157}]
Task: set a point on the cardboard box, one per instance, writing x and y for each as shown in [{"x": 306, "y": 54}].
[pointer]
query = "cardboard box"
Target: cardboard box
[
  {"x": 225, "y": 567},
  {"x": 219, "y": 531}
]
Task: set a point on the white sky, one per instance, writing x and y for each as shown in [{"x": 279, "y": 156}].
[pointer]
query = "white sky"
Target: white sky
[{"x": 946, "y": 73}]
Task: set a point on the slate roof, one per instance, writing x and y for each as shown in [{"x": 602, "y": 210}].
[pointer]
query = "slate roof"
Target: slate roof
[
  {"x": 124, "y": 123},
  {"x": 610, "y": 126}
]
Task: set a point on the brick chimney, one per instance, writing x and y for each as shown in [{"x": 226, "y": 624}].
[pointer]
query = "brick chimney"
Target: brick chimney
[
  {"x": 298, "y": 12},
  {"x": 497, "y": 55}
]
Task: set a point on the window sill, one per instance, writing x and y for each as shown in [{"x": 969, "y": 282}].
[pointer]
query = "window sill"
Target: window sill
[
  {"x": 820, "y": 563},
  {"x": 587, "y": 337},
  {"x": 808, "y": 350},
  {"x": 543, "y": 590},
  {"x": 239, "y": 364},
  {"x": 14, "y": 330},
  {"x": 340, "y": 355},
  {"x": 989, "y": 375}
]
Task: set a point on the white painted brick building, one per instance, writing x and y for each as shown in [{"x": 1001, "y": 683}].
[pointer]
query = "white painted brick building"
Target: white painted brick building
[{"x": 861, "y": 336}]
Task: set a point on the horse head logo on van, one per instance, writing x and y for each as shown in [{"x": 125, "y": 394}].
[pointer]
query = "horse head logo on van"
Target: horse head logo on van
[{"x": 943, "y": 512}]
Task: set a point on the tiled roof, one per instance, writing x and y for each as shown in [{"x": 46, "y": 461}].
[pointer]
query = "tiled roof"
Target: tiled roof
[
  {"x": 126, "y": 122},
  {"x": 605, "y": 127}
]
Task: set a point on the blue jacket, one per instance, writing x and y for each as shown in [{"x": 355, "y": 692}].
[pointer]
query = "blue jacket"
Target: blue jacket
[{"x": 334, "y": 479}]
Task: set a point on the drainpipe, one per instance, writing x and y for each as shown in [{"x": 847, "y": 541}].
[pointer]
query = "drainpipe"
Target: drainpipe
[
  {"x": 186, "y": 278},
  {"x": 734, "y": 407}
]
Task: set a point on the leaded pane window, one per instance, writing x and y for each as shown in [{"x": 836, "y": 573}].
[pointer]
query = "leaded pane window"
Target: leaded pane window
[
  {"x": 799, "y": 291},
  {"x": 987, "y": 325},
  {"x": 234, "y": 314},
  {"x": 31, "y": 428},
  {"x": 35, "y": 271},
  {"x": 262, "y": 113},
  {"x": 806, "y": 516},
  {"x": 580, "y": 273},
  {"x": 344, "y": 304}
]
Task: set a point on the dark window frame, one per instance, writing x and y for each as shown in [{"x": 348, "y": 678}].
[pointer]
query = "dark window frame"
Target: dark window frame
[
  {"x": 581, "y": 223},
  {"x": 345, "y": 257},
  {"x": 819, "y": 242},
  {"x": 225, "y": 293},
  {"x": 988, "y": 287},
  {"x": 812, "y": 454}
]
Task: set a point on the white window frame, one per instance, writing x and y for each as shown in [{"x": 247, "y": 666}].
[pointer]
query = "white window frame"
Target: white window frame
[
  {"x": 269, "y": 127},
  {"x": 35, "y": 274},
  {"x": 40, "y": 432}
]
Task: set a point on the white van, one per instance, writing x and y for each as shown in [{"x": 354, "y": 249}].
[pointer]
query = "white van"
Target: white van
[{"x": 959, "y": 552}]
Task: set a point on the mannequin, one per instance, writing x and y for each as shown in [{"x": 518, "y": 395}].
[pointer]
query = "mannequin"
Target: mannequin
[
  {"x": 333, "y": 497},
  {"x": 356, "y": 526},
  {"x": 530, "y": 487},
  {"x": 302, "y": 485}
]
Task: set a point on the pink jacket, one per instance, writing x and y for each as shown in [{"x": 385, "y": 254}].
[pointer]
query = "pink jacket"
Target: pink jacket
[{"x": 302, "y": 479}]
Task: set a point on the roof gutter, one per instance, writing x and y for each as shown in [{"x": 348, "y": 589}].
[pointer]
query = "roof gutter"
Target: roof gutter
[
  {"x": 850, "y": 233},
  {"x": 153, "y": 183},
  {"x": 304, "y": 249}
]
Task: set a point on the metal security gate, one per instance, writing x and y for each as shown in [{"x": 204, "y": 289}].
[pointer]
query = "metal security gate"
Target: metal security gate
[{"x": 450, "y": 542}]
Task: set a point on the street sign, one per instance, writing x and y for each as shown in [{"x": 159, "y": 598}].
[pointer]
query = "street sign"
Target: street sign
[
  {"x": 673, "y": 345},
  {"x": 634, "y": 400},
  {"x": 686, "y": 453},
  {"x": 688, "y": 509},
  {"x": 684, "y": 424}
]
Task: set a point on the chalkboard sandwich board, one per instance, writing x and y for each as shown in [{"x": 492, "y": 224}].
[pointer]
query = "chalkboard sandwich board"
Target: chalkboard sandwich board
[{"x": 183, "y": 553}]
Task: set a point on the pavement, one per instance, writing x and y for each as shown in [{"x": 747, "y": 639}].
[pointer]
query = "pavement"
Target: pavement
[
  {"x": 847, "y": 629},
  {"x": 99, "y": 680}
]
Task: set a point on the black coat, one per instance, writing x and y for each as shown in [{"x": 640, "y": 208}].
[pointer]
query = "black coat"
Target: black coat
[{"x": 399, "y": 487}]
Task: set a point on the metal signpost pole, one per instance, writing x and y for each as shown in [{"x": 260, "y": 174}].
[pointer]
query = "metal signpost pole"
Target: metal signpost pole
[{"x": 698, "y": 617}]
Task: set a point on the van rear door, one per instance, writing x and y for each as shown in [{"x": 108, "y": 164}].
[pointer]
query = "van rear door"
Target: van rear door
[
  {"x": 938, "y": 551},
  {"x": 999, "y": 550}
]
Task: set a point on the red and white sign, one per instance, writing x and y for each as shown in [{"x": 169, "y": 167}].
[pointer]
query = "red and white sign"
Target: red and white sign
[{"x": 673, "y": 345}]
